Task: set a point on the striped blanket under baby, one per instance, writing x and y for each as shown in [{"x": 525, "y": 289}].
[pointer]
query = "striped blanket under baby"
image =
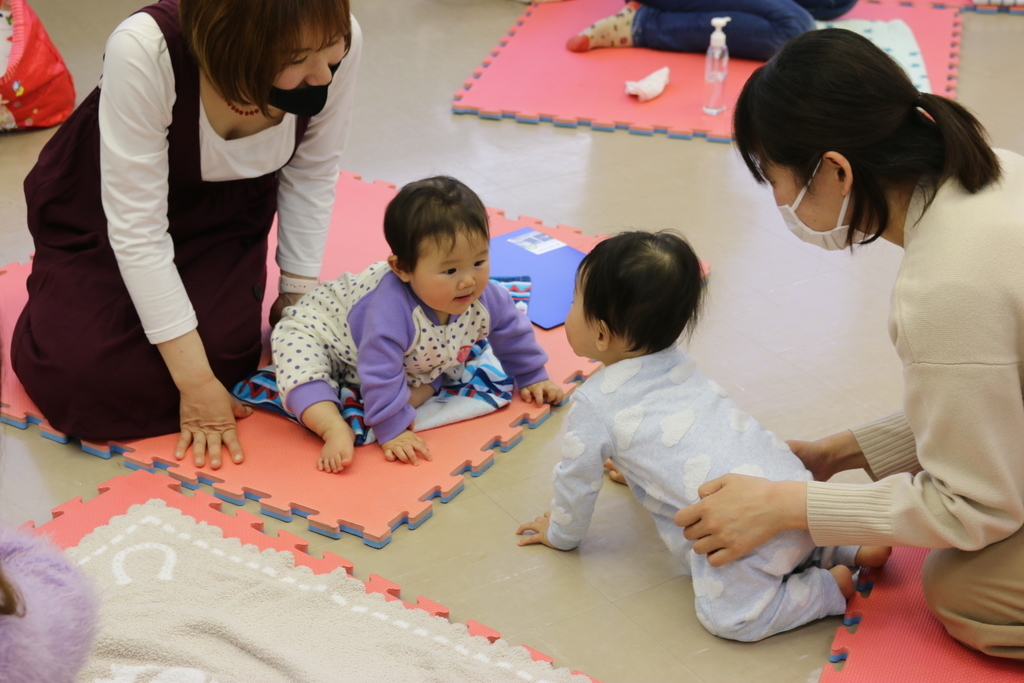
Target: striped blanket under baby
[{"x": 482, "y": 388}]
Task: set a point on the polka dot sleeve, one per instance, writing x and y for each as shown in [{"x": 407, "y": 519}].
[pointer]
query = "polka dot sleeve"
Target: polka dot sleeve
[{"x": 302, "y": 347}]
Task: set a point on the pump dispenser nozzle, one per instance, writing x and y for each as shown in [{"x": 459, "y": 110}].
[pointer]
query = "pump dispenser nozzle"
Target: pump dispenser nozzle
[{"x": 718, "y": 37}]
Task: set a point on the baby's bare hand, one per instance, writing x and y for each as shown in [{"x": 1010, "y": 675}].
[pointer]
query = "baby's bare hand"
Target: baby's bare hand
[
  {"x": 407, "y": 447},
  {"x": 542, "y": 392},
  {"x": 539, "y": 527}
]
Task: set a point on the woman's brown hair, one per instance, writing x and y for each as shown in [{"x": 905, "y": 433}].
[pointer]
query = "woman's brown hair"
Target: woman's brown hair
[
  {"x": 833, "y": 90},
  {"x": 242, "y": 45}
]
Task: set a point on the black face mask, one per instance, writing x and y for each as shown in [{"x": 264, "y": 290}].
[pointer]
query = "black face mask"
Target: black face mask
[{"x": 305, "y": 100}]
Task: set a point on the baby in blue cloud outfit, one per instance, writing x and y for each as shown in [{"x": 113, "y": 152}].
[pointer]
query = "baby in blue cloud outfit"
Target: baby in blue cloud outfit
[{"x": 667, "y": 428}]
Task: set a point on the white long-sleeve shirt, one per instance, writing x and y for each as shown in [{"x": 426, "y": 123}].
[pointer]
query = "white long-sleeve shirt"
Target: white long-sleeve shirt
[{"x": 136, "y": 98}]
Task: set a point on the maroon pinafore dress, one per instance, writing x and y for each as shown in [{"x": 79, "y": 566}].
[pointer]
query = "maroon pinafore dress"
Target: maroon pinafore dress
[{"x": 79, "y": 347}]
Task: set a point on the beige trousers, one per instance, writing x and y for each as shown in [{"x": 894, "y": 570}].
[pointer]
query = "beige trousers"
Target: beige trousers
[{"x": 979, "y": 596}]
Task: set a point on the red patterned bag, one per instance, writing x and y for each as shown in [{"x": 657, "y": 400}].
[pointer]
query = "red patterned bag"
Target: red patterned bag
[{"x": 36, "y": 90}]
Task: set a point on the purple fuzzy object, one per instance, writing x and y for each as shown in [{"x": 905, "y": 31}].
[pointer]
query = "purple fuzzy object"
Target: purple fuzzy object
[{"x": 52, "y": 641}]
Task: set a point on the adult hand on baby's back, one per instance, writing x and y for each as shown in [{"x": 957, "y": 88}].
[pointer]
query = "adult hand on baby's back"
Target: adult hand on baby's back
[
  {"x": 405, "y": 447},
  {"x": 737, "y": 513},
  {"x": 207, "y": 414},
  {"x": 542, "y": 392}
]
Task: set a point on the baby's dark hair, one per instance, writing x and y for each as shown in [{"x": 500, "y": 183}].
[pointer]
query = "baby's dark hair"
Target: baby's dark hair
[
  {"x": 438, "y": 209},
  {"x": 646, "y": 287}
]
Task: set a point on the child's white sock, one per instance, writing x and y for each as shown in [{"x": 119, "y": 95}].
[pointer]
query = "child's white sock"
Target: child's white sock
[{"x": 613, "y": 31}]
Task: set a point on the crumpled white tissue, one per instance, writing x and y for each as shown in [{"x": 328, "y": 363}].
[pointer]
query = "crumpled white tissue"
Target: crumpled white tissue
[{"x": 650, "y": 87}]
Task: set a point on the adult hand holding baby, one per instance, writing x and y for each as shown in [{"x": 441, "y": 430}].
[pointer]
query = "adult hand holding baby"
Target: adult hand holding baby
[
  {"x": 283, "y": 301},
  {"x": 738, "y": 513}
]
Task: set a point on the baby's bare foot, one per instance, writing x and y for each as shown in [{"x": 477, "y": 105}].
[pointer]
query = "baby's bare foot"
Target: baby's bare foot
[
  {"x": 613, "y": 472},
  {"x": 872, "y": 555},
  {"x": 844, "y": 577},
  {"x": 338, "y": 450}
]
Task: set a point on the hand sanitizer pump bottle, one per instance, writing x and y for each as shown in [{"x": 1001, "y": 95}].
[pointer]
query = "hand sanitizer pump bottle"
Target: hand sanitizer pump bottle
[{"x": 716, "y": 68}]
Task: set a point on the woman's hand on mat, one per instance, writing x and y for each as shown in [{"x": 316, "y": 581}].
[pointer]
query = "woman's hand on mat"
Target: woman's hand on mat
[
  {"x": 208, "y": 413},
  {"x": 539, "y": 527},
  {"x": 829, "y": 455},
  {"x": 405, "y": 447},
  {"x": 282, "y": 302},
  {"x": 542, "y": 392},
  {"x": 339, "y": 447},
  {"x": 737, "y": 513}
]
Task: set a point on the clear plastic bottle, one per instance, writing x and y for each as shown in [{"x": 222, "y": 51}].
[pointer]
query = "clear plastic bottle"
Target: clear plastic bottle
[{"x": 716, "y": 69}]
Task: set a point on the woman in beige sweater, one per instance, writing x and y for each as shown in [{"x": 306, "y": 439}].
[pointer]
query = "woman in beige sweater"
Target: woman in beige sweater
[{"x": 854, "y": 153}]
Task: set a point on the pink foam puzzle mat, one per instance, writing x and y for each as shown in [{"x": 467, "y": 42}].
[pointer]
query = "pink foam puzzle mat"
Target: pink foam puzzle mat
[
  {"x": 531, "y": 77},
  {"x": 75, "y": 519},
  {"x": 372, "y": 497},
  {"x": 897, "y": 640}
]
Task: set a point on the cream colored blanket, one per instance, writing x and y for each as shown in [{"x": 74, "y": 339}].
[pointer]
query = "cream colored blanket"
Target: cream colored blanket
[{"x": 182, "y": 604}]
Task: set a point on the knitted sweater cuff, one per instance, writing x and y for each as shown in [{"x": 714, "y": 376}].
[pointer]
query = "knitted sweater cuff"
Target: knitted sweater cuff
[
  {"x": 849, "y": 514},
  {"x": 888, "y": 445}
]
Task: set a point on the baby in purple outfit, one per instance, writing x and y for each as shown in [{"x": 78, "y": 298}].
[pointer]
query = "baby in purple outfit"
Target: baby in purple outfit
[{"x": 400, "y": 327}]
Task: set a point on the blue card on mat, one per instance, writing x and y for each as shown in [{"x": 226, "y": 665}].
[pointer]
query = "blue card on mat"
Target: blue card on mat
[{"x": 551, "y": 265}]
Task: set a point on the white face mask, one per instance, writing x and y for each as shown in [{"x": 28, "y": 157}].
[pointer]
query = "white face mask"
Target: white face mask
[{"x": 833, "y": 239}]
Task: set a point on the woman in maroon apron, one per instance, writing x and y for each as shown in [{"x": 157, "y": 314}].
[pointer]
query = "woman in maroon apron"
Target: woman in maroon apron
[{"x": 79, "y": 347}]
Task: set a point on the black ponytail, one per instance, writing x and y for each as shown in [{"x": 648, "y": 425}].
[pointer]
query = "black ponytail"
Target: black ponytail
[
  {"x": 833, "y": 90},
  {"x": 968, "y": 158}
]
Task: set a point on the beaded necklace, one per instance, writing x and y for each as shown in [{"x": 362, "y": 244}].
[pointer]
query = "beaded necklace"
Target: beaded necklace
[{"x": 241, "y": 112}]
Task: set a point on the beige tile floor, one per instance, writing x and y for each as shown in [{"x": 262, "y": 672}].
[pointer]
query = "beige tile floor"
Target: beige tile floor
[{"x": 797, "y": 336}]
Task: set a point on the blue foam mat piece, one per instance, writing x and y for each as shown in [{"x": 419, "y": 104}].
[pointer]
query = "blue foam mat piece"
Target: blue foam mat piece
[
  {"x": 113, "y": 449},
  {"x": 551, "y": 268},
  {"x": 598, "y": 127}
]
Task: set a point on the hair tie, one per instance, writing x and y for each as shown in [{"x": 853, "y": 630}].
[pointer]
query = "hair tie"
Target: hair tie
[{"x": 920, "y": 98}]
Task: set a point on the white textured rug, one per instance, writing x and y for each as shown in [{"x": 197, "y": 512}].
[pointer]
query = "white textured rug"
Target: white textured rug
[{"x": 183, "y": 604}]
